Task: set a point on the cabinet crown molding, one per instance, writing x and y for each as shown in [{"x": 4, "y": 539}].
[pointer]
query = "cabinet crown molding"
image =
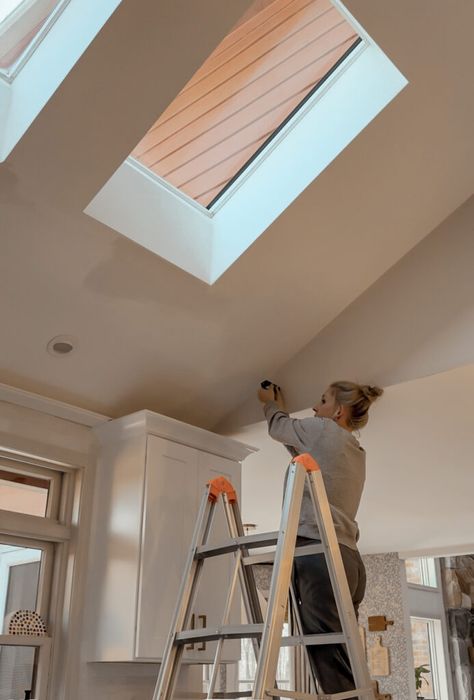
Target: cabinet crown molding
[{"x": 149, "y": 423}]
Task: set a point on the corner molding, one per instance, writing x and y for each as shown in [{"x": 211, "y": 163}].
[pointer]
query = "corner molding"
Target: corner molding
[
  {"x": 51, "y": 407},
  {"x": 149, "y": 423}
]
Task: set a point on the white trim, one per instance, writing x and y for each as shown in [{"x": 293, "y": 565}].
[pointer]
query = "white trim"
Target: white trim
[
  {"x": 426, "y": 589},
  {"x": 429, "y": 574},
  {"x": 18, "y": 640},
  {"x": 44, "y": 646},
  {"x": 51, "y": 407},
  {"x": 54, "y": 594},
  {"x": 146, "y": 172},
  {"x": 137, "y": 203},
  {"x": 445, "y": 551},
  {"x": 68, "y": 37},
  {"x": 52, "y": 476},
  {"x": 149, "y": 423},
  {"x": 438, "y": 666},
  {"x": 33, "y": 527},
  {"x": 428, "y": 603},
  {"x": 9, "y": 74}
]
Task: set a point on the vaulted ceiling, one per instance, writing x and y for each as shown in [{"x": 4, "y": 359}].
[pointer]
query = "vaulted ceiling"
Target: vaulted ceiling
[{"x": 151, "y": 336}]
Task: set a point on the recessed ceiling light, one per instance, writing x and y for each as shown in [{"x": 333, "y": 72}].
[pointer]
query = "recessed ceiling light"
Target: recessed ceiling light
[{"x": 62, "y": 345}]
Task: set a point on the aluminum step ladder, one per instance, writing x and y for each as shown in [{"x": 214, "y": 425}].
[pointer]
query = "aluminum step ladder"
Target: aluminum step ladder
[{"x": 265, "y": 632}]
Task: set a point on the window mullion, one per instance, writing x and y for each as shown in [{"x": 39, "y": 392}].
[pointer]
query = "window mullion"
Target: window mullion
[
  {"x": 44, "y": 584},
  {"x": 33, "y": 527}
]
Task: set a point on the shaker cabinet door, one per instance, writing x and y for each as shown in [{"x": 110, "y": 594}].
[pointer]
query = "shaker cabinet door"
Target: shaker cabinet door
[{"x": 170, "y": 510}]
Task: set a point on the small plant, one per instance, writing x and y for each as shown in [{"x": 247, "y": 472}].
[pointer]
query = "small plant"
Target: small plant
[{"x": 420, "y": 671}]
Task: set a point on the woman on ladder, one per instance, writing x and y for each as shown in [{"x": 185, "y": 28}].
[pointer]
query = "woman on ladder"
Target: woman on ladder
[{"x": 328, "y": 437}]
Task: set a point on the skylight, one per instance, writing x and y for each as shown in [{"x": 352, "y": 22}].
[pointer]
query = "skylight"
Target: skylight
[
  {"x": 40, "y": 41},
  {"x": 256, "y": 78},
  {"x": 279, "y": 98},
  {"x": 23, "y": 23}
]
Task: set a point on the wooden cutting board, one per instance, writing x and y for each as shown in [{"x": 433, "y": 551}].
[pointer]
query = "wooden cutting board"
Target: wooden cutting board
[{"x": 379, "y": 663}]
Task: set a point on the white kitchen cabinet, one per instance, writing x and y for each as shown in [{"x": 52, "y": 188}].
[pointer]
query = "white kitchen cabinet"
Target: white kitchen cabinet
[{"x": 151, "y": 477}]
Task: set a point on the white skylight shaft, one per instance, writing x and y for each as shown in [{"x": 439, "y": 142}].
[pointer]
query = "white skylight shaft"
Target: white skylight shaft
[
  {"x": 40, "y": 41},
  {"x": 204, "y": 242}
]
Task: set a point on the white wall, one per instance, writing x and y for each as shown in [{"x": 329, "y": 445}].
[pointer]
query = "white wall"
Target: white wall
[
  {"x": 420, "y": 480},
  {"x": 416, "y": 320}
]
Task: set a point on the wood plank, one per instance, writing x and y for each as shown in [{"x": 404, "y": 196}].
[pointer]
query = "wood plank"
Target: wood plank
[
  {"x": 254, "y": 79},
  {"x": 264, "y": 113},
  {"x": 278, "y": 27},
  {"x": 255, "y": 62}
]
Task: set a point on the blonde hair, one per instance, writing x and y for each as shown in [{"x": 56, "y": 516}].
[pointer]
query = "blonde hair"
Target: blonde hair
[{"x": 358, "y": 397}]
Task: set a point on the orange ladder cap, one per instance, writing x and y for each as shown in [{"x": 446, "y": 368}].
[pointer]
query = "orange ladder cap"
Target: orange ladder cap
[
  {"x": 221, "y": 485},
  {"x": 308, "y": 462}
]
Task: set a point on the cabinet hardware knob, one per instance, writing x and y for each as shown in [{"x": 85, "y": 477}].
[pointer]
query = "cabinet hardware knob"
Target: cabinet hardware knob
[
  {"x": 203, "y": 618},
  {"x": 193, "y": 627}
]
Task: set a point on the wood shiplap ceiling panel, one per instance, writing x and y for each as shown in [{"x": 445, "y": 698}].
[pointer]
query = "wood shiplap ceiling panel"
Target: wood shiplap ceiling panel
[{"x": 255, "y": 78}]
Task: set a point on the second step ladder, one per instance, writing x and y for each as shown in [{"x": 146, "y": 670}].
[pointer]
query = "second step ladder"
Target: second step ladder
[{"x": 265, "y": 631}]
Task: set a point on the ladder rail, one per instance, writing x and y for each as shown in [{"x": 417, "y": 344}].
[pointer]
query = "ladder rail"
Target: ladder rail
[
  {"x": 225, "y": 618},
  {"x": 305, "y": 677},
  {"x": 339, "y": 584},
  {"x": 173, "y": 653},
  {"x": 280, "y": 583},
  {"x": 248, "y": 586}
]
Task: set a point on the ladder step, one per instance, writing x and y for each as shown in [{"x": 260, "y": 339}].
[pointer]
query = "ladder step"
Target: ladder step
[
  {"x": 209, "y": 634},
  {"x": 313, "y": 639},
  {"x": 263, "y": 539},
  {"x": 222, "y": 632},
  {"x": 268, "y": 557},
  {"x": 281, "y": 693}
]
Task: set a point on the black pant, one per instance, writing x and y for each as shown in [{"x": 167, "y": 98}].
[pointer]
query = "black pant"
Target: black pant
[{"x": 318, "y": 612}]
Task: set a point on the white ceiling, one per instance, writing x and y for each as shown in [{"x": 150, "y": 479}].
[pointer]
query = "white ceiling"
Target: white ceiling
[
  {"x": 150, "y": 336},
  {"x": 420, "y": 475}
]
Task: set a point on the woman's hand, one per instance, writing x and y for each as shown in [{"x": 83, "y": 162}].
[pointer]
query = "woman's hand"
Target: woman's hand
[{"x": 272, "y": 393}]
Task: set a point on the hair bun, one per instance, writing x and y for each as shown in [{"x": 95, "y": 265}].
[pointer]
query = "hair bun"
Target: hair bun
[{"x": 371, "y": 393}]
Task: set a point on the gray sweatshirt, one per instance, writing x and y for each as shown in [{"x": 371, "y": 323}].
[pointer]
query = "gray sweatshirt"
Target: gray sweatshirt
[{"x": 342, "y": 463}]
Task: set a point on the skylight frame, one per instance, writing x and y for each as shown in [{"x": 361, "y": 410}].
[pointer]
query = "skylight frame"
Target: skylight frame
[
  {"x": 67, "y": 38},
  {"x": 205, "y": 243},
  {"x": 285, "y": 125},
  {"x": 9, "y": 74},
  {"x": 257, "y": 76}
]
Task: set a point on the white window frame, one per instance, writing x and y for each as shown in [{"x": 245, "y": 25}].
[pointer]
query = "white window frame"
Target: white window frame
[
  {"x": 26, "y": 555},
  {"x": 46, "y": 66},
  {"x": 437, "y": 664},
  {"x": 18, "y": 17},
  {"x": 47, "y": 474},
  {"x": 429, "y": 574},
  {"x": 50, "y": 533}
]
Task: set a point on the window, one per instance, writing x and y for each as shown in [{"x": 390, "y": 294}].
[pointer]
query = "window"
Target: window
[
  {"x": 428, "y": 652},
  {"x": 421, "y": 572},
  {"x": 282, "y": 95},
  {"x": 23, "y": 24},
  {"x": 34, "y": 493},
  {"x": 260, "y": 73},
  {"x": 247, "y": 665},
  {"x": 34, "y": 531},
  {"x": 40, "y": 41}
]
